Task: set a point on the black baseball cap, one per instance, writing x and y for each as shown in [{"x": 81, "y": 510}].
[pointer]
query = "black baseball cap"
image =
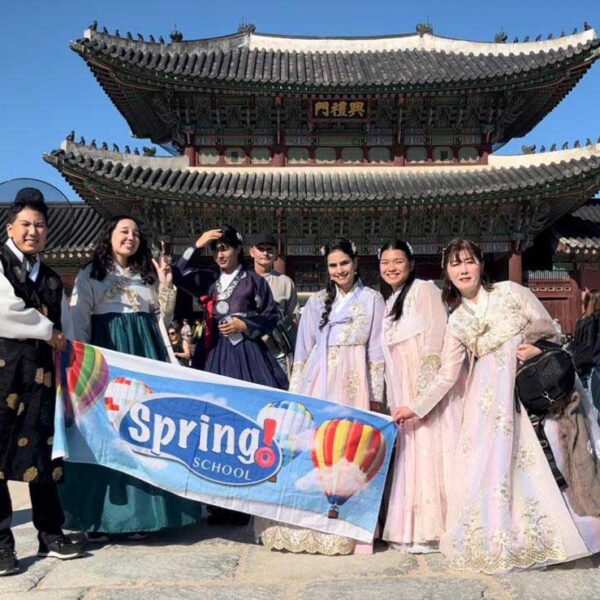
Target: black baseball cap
[{"x": 264, "y": 237}]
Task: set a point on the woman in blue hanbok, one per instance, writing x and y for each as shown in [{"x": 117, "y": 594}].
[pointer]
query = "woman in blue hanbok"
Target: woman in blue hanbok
[{"x": 120, "y": 301}]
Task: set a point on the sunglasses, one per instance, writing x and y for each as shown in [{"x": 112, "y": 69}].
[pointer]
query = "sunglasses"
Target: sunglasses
[{"x": 172, "y": 333}]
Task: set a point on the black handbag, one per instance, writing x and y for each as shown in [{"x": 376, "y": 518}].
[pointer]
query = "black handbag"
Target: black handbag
[
  {"x": 284, "y": 334},
  {"x": 545, "y": 382}
]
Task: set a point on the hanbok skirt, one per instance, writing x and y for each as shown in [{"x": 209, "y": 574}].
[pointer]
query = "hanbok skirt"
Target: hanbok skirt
[
  {"x": 250, "y": 360},
  {"x": 99, "y": 499}
]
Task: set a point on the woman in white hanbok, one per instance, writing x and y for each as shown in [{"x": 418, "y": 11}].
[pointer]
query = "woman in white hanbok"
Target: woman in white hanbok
[{"x": 506, "y": 510}]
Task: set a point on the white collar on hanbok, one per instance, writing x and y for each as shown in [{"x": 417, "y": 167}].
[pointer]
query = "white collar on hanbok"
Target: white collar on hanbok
[
  {"x": 395, "y": 294},
  {"x": 120, "y": 271},
  {"x": 226, "y": 278},
  {"x": 341, "y": 298},
  {"x": 32, "y": 269},
  {"x": 478, "y": 308}
]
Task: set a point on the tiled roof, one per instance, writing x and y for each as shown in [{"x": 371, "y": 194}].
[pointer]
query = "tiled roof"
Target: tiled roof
[
  {"x": 169, "y": 180},
  {"x": 73, "y": 228},
  {"x": 579, "y": 232},
  {"x": 396, "y": 62}
]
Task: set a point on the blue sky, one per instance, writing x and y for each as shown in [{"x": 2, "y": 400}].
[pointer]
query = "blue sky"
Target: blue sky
[{"x": 46, "y": 89}]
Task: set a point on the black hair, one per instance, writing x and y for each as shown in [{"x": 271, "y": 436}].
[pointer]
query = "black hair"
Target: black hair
[
  {"x": 347, "y": 247},
  {"x": 231, "y": 237},
  {"x": 103, "y": 261},
  {"x": 27, "y": 198},
  {"x": 451, "y": 297},
  {"x": 386, "y": 289}
]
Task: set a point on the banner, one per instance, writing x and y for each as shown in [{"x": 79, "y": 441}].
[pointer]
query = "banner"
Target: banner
[{"x": 222, "y": 441}]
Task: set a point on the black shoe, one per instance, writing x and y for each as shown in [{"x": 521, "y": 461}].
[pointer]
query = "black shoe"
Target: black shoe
[
  {"x": 96, "y": 537},
  {"x": 62, "y": 547},
  {"x": 9, "y": 565}
]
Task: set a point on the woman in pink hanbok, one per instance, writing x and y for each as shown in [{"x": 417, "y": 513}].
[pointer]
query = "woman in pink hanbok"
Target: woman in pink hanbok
[
  {"x": 413, "y": 334},
  {"x": 337, "y": 357},
  {"x": 505, "y": 510}
]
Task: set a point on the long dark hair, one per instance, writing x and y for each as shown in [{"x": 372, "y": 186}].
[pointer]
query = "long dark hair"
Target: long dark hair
[
  {"x": 451, "y": 297},
  {"x": 103, "y": 261},
  {"x": 386, "y": 289},
  {"x": 231, "y": 237},
  {"x": 347, "y": 247}
]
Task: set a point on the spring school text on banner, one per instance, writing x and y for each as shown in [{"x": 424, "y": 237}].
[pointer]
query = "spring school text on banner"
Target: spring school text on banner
[{"x": 228, "y": 443}]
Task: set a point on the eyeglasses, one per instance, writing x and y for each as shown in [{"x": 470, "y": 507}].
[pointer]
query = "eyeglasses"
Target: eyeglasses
[{"x": 172, "y": 333}]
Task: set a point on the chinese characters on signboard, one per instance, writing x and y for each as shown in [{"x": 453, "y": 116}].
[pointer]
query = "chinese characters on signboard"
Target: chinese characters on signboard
[{"x": 339, "y": 109}]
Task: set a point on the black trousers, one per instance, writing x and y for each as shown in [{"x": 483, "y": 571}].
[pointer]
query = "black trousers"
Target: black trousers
[{"x": 48, "y": 516}]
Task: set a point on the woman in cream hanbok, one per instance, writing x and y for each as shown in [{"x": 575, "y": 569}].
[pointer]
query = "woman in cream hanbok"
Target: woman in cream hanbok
[
  {"x": 413, "y": 334},
  {"x": 506, "y": 510},
  {"x": 338, "y": 357}
]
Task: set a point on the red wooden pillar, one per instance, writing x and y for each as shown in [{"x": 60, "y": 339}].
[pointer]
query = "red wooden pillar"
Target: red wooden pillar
[
  {"x": 515, "y": 267},
  {"x": 190, "y": 153},
  {"x": 398, "y": 156},
  {"x": 278, "y": 157}
]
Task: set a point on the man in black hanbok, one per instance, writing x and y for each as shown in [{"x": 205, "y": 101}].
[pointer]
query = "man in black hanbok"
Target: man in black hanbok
[{"x": 30, "y": 330}]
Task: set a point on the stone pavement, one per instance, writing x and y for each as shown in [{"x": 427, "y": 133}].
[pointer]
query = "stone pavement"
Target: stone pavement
[{"x": 213, "y": 563}]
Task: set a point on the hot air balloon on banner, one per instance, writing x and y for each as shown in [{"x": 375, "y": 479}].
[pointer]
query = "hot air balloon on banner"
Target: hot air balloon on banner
[
  {"x": 86, "y": 378},
  {"x": 120, "y": 394},
  {"x": 347, "y": 455},
  {"x": 294, "y": 426}
]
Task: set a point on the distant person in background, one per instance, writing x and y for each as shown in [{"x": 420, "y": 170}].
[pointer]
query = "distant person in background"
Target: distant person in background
[
  {"x": 120, "y": 301},
  {"x": 282, "y": 339},
  {"x": 198, "y": 330},
  {"x": 186, "y": 331},
  {"x": 30, "y": 329},
  {"x": 585, "y": 346},
  {"x": 181, "y": 347}
]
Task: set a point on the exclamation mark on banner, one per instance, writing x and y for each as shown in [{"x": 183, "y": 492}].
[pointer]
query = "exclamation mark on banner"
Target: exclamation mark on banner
[{"x": 265, "y": 456}]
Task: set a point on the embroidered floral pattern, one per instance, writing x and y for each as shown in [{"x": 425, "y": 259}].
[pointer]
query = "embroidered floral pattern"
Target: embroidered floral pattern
[
  {"x": 487, "y": 399},
  {"x": 333, "y": 357},
  {"x": 30, "y": 474},
  {"x": 503, "y": 422},
  {"x": 465, "y": 445},
  {"x": 166, "y": 301},
  {"x": 296, "y": 379},
  {"x": 376, "y": 380},
  {"x": 12, "y": 400},
  {"x": 293, "y": 539},
  {"x": 502, "y": 320},
  {"x": 354, "y": 332},
  {"x": 502, "y": 492},
  {"x": 121, "y": 289},
  {"x": 430, "y": 365},
  {"x": 351, "y": 386},
  {"x": 533, "y": 541},
  {"x": 526, "y": 458}
]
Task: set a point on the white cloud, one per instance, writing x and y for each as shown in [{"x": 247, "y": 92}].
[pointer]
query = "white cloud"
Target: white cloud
[{"x": 342, "y": 479}]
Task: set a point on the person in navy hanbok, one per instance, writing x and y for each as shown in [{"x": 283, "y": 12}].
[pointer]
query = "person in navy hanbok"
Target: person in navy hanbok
[{"x": 239, "y": 310}]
